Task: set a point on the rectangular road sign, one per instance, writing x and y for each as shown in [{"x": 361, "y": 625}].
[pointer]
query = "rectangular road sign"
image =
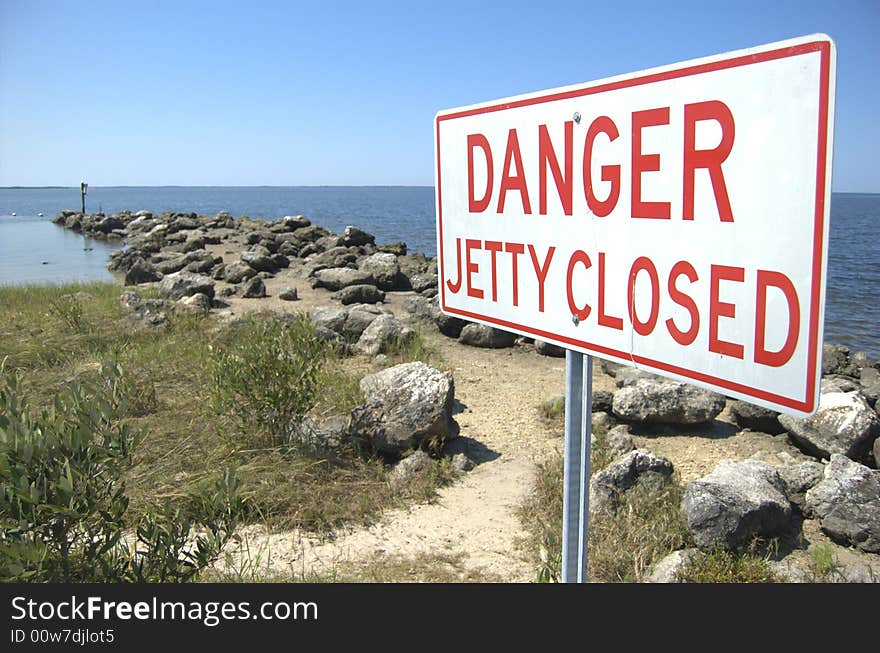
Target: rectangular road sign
[{"x": 674, "y": 219}]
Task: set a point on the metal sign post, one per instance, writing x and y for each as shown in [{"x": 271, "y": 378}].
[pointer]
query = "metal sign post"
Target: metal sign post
[{"x": 576, "y": 497}]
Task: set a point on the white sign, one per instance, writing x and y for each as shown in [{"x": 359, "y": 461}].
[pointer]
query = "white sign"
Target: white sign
[{"x": 674, "y": 219}]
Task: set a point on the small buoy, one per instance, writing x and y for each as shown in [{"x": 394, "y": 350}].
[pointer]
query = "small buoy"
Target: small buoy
[
  {"x": 13, "y": 214},
  {"x": 45, "y": 262},
  {"x": 39, "y": 215}
]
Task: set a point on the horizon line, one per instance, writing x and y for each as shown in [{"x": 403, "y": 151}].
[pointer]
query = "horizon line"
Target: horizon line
[{"x": 55, "y": 187}]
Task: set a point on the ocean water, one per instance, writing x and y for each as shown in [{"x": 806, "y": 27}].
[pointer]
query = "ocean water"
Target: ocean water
[{"x": 32, "y": 249}]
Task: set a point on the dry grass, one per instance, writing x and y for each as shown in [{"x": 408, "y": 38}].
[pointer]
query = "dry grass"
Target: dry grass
[{"x": 53, "y": 339}]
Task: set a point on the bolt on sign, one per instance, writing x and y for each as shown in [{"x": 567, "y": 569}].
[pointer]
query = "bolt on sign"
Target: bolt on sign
[{"x": 674, "y": 219}]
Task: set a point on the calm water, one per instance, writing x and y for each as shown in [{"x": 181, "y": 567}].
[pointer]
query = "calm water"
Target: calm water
[{"x": 391, "y": 213}]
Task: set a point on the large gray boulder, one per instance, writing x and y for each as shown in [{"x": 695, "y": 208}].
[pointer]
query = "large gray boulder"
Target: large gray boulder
[
  {"x": 383, "y": 332},
  {"x": 666, "y": 402},
  {"x": 382, "y": 267},
  {"x": 737, "y": 501},
  {"x": 639, "y": 467},
  {"x": 480, "y": 335},
  {"x": 755, "y": 418},
  {"x": 844, "y": 423},
  {"x": 184, "y": 284},
  {"x": 404, "y": 406},
  {"x": 339, "y": 278},
  {"x": 847, "y": 503}
]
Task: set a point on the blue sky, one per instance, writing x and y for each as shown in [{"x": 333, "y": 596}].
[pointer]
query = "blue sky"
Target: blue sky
[{"x": 289, "y": 93}]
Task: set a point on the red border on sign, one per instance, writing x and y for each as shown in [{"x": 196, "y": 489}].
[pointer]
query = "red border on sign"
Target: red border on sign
[{"x": 806, "y": 405}]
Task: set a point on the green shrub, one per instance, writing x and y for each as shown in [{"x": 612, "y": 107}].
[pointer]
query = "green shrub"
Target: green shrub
[
  {"x": 266, "y": 377},
  {"x": 62, "y": 503}
]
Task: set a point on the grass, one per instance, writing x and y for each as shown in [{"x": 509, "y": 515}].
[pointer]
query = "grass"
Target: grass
[
  {"x": 552, "y": 409},
  {"x": 56, "y": 334},
  {"x": 623, "y": 547},
  {"x": 722, "y": 566}
]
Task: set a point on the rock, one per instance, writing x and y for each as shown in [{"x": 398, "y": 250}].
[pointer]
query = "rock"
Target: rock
[
  {"x": 461, "y": 463},
  {"x": 799, "y": 478},
  {"x": 877, "y": 453},
  {"x": 259, "y": 261},
  {"x": 359, "y": 294},
  {"x": 383, "y": 268},
  {"x": 843, "y": 424},
  {"x": 626, "y": 376},
  {"x": 238, "y": 271},
  {"x": 184, "y": 284},
  {"x": 289, "y": 223},
  {"x": 130, "y": 300},
  {"x": 398, "y": 248},
  {"x": 671, "y": 568},
  {"x": 835, "y": 358},
  {"x": 198, "y": 304},
  {"x": 639, "y": 467},
  {"x": 422, "y": 282},
  {"x": 147, "y": 320},
  {"x": 847, "y": 503},
  {"x": 382, "y": 333},
  {"x": 737, "y": 501},
  {"x": 619, "y": 441},
  {"x": 289, "y": 294},
  {"x": 141, "y": 272},
  {"x": 601, "y": 401},
  {"x": 310, "y": 234},
  {"x": 548, "y": 349},
  {"x": 253, "y": 288},
  {"x": 219, "y": 273},
  {"x": 666, "y": 403},
  {"x": 352, "y": 236},
  {"x": 328, "y": 433},
  {"x": 424, "y": 309},
  {"x": 756, "y": 418},
  {"x": 335, "y": 257},
  {"x": 330, "y": 317},
  {"x": 359, "y": 317},
  {"x": 339, "y": 278},
  {"x": 408, "y": 468},
  {"x": 602, "y": 420},
  {"x": 480, "y": 335},
  {"x": 831, "y": 384},
  {"x": 405, "y": 406}
]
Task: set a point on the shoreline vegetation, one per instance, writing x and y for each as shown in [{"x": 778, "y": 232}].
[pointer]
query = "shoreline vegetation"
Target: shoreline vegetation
[{"x": 255, "y": 397}]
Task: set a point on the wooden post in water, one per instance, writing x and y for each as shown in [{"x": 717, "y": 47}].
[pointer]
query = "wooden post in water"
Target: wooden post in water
[{"x": 83, "y": 191}]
